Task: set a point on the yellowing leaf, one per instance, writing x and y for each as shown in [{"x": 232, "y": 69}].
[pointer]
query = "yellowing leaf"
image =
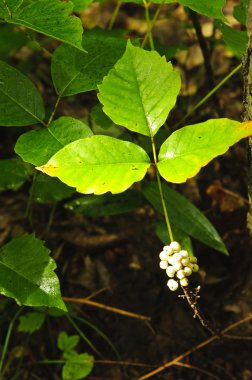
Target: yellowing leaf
[{"x": 190, "y": 148}]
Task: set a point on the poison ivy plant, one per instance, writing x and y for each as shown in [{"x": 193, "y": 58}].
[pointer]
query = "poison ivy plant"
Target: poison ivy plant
[{"x": 27, "y": 273}]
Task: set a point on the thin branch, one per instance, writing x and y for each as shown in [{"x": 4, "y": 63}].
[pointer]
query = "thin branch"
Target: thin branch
[
  {"x": 195, "y": 348},
  {"x": 207, "y": 57},
  {"x": 86, "y": 301},
  {"x": 208, "y": 95}
]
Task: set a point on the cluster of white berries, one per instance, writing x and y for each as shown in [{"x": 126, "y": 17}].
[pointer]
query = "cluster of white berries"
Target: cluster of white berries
[{"x": 177, "y": 263}]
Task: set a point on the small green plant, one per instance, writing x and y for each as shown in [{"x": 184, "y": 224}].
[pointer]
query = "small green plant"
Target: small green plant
[{"x": 77, "y": 366}]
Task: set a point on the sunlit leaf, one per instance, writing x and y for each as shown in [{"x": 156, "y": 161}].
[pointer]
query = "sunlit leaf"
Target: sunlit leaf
[
  {"x": 139, "y": 92},
  {"x": 98, "y": 164},
  {"x": 190, "y": 148}
]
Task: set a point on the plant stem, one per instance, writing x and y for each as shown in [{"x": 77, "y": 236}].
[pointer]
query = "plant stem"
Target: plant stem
[
  {"x": 28, "y": 211},
  {"x": 115, "y": 14},
  {"x": 53, "y": 112},
  {"x": 75, "y": 326},
  {"x": 223, "y": 81},
  {"x": 151, "y": 25},
  {"x": 50, "y": 221},
  {"x": 7, "y": 339},
  {"x": 167, "y": 221},
  {"x": 207, "y": 58}
]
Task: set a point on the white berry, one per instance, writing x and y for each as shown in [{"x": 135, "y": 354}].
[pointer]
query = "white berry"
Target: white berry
[
  {"x": 187, "y": 271},
  {"x": 168, "y": 250},
  {"x": 181, "y": 274},
  {"x": 170, "y": 260},
  {"x": 184, "y": 282},
  {"x": 163, "y": 255},
  {"x": 170, "y": 271},
  {"x": 177, "y": 266},
  {"x": 195, "y": 268},
  {"x": 185, "y": 261},
  {"x": 172, "y": 285},
  {"x": 177, "y": 257},
  {"x": 184, "y": 253},
  {"x": 163, "y": 264},
  {"x": 193, "y": 259},
  {"x": 175, "y": 246}
]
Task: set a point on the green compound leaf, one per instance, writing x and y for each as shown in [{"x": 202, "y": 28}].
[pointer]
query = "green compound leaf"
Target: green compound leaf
[
  {"x": 139, "y": 92},
  {"x": 20, "y": 102},
  {"x": 77, "y": 367},
  {"x": 99, "y": 164},
  {"x": 236, "y": 40},
  {"x": 50, "y": 17},
  {"x": 190, "y": 148},
  {"x": 13, "y": 173},
  {"x": 74, "y": 72},
  {"x": 185, "y": 216},
  {"x": 31, "y": 322},
  {"x": 47, "y": 189},
  {"x": 107, "y": 204},
  {"x": 38, "y": 146},
  {"x": 27, "y": 273}
]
